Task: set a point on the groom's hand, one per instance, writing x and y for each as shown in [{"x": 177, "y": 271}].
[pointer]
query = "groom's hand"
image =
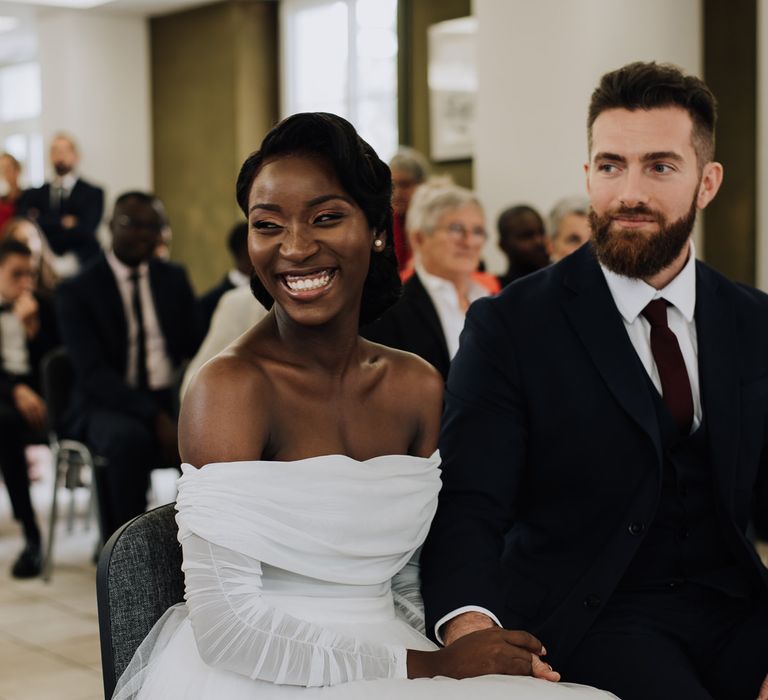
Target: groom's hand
[{"x": 464, "y": 624}]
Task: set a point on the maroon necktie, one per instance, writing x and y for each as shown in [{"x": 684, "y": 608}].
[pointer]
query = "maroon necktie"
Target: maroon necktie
[{"x": 675, "y": 386}]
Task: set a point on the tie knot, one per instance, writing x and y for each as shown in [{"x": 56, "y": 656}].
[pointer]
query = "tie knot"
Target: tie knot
[
  {"x": 135, "y": 276},
  {"x": 656, "y": 313}
]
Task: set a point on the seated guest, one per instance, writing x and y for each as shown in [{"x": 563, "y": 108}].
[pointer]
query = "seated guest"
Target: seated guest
[
  {"x": 446, "y": 228},
  {"x": 409, "y": 169},
  {"x": 238, "y": 276},
  {"x": 569, "y": 226},
  {"x": 236, "y": 312},
  {"x": 129, "y": 320},
  {"x": 29, "y": 233},
  {"x": 67, "y": 208},
  {"x": 27, "y": 333},
  {"x": 10, "y": 191},
  {"x": 523, "y": 239}
]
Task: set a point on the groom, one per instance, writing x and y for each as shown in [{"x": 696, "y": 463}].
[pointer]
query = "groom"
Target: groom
[{"x": 606, "y": 422}]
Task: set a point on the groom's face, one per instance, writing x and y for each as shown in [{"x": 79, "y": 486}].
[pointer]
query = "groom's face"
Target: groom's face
[{"x": 645, "y": 185}]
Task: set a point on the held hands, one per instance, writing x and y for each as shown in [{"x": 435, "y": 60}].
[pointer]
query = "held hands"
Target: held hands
[
  {"x": 486, "y": 651},
  {"x": 68, "y": 221}
]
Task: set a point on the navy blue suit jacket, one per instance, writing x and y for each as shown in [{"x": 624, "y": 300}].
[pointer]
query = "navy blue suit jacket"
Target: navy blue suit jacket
[
  {"x": 95, "y": 332},
  {"x": 551, "y": 447}
]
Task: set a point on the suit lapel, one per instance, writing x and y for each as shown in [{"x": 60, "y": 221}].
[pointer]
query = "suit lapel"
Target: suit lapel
[
  {"x": 425, "y": 309},
  {"x": 163, "y": 309},
  {"x": 596, "y": 320},
  {"x": 111, "y": 304},
  {"x": 718, "y": 377}
]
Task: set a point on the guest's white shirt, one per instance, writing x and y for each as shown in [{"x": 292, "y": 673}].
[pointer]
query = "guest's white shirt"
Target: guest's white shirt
[
  {"x": 631, "y": 296},
  {"x": 159, "y": 366},
  {"x": 65, "y": 183},
  {"x": 445, "y": 297},
  {"x": 237, "y": 278},
  {"x": 14, "y": 356}
]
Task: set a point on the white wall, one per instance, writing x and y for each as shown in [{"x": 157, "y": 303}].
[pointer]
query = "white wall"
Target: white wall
[
  {"x": 538, "y": 63},
  {"x": 95, "y": 83}
]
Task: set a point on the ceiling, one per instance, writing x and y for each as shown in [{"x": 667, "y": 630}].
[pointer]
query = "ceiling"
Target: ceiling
[{"x": 18, "y": 38}]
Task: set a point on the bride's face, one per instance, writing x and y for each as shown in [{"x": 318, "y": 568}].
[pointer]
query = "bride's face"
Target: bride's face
[{"x": 309, "y": 242}]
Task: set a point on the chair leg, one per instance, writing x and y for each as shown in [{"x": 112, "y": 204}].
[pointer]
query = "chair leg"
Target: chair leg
[{"x": 48, "y": 561}]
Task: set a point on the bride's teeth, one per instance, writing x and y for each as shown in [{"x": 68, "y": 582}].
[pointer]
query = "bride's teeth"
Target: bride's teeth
[{"x": 308, "y": 284}]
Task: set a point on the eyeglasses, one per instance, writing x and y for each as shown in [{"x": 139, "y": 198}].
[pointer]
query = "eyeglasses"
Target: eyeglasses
[{"x": 457, "y": 230}]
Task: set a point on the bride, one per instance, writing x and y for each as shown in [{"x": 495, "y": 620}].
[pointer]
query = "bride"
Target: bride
[{"x": 310, "y": 475}]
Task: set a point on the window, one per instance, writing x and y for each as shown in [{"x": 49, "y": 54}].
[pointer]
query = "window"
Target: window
[
  {"x": 341, "y": 56},
  {"x": 20, "y": 108}
]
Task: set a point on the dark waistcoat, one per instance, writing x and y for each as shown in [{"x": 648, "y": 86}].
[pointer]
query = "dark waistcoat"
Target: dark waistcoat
[{"x": 684, "y": 542}]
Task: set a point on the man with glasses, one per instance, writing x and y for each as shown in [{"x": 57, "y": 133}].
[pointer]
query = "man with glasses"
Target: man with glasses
[
  {"x": 129, "y": 321},
  {"x": 446, "y": 229}
]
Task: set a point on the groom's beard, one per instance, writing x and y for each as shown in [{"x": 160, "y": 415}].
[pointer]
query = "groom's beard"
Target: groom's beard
[{"x": 634, "y": 253}]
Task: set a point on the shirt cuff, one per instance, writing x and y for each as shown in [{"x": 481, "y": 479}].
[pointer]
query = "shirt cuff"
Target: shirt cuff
[
  {"x": 459, "y": 611},
  {"x": 401, "y": 662}
]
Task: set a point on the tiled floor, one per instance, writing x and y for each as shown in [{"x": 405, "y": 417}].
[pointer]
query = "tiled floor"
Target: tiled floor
[{"x": 49, "y": 638}]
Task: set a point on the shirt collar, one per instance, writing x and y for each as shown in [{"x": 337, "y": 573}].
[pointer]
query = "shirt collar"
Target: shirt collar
[
  {"x": 66, "y": 182},
  {"x": 440, "y": 285},
  {"x": 632, "y": 295},
  {"x": 238, "y": 278},
  {"x": 122, "y": 271}
]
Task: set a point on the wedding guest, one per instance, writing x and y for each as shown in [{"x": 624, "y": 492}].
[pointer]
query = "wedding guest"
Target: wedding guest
[
  {"x": 523, "y": 240},
  {"x": 446, "y": 227},
  {"x": 27, "y": 332},
  {"x": 409, "y": 169},
  {"x": 67, "y": 208},
  {"x": 129, "y": 320},
  {"x": 569, "y": 226},
  {"x": 10, "y": 190}
]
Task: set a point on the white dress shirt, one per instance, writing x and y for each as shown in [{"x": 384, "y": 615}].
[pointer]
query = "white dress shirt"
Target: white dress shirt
[
  {"x": 159, "y": 366},
  {"x": 14, "y": 356},
  {"x": 445, "y": 297},
  {"x": 631, "y": 296},
  {"x": 238, "y": 279}
]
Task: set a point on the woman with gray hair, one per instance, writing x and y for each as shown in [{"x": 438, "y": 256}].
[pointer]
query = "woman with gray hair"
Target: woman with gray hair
[
  {"x": 569, "y": 226},
  {"x": 446, "y": 229}
]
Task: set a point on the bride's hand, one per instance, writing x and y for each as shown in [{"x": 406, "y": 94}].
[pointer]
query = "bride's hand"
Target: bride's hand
[{"x": 495, "y": 650}]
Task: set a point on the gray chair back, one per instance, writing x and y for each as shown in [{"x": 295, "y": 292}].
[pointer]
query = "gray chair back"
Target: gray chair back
[{"x": 138, "y": 578}]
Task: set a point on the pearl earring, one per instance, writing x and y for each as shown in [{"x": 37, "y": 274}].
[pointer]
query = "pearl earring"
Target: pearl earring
[{"x": 378, "y": 244}]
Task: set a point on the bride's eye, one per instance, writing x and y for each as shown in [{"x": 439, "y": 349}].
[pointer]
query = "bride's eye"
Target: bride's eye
[
  {"x": 328, "y": 218},
  {"x": 265, "y": 226}
]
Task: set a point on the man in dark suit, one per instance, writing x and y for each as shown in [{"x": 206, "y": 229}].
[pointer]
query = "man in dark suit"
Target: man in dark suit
[
  {"x": 67, "y": 208},
  {"x": 27, "y": 333},
  {"x": 605, "y": 426},
  {"x": 129, "y": 320},
  {"x": 523, "y": 239},
  {"x": 238, "y": 276}
]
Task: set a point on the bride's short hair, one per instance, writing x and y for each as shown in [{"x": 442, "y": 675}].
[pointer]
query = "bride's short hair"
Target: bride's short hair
[{"x": 363, "y": 175}]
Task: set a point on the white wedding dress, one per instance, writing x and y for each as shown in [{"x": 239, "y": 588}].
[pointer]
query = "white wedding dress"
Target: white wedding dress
[{"x": 301, "y": 582}]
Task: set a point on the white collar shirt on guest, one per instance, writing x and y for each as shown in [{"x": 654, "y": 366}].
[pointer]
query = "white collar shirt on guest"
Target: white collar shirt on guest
[
  {"x": 631, "y": 296},
  {"x": 445, "y": 297},
  {"x": 14, "y": 355},
  {"x": 65, "y": 182},
  {"x": 159, "y": 366}
]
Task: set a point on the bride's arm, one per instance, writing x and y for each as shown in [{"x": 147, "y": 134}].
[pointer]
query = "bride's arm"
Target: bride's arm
[{"x": 236, "y": 629}]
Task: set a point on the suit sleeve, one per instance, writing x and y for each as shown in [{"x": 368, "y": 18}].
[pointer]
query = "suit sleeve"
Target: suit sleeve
[
  {"x": 483, "y": 447},
  {"x": 97, "y": 378}
]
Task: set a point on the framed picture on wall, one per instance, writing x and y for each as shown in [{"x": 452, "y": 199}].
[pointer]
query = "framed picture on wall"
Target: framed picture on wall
[{"x": 452, "y": 80}]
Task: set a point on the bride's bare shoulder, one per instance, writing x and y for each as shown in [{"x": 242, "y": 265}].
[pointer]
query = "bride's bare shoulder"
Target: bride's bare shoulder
[{"x": 223, "y": 416}]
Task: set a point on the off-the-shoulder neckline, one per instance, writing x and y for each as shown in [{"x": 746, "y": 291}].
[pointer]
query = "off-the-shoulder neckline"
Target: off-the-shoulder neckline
[{"x": 434, "y": 455}]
